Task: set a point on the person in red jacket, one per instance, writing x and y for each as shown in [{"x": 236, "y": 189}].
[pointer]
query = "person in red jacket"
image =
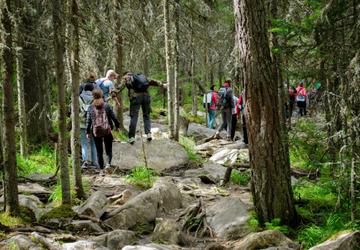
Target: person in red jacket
[
  {"x": 209, "y": 103},
  {"x": 301, "y": 96}
]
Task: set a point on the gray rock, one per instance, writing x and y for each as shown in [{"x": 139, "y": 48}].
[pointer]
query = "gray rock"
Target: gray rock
[
  {"x": 166, "y": 231},
  {"x": 228, "y": 217},
  {"x": 116, "y": 239},
  {"x": 83, "y": 245},
  {"x": 39, "y": 191},
  {"x": 199, "y": 131},
  {"x": 86, "y": 226},
  {"x": 212, "y": 171},
  {"x": 31, "y": 202},
  {"x": 161, "y": 155},
  {"x": 94, "y": 206},
  {"x": 151, "y": 247},
  {"x": 348, "y": 241},
  {"x": 22, "y": 242},
  {"x": 146, "y": 207},
  {"x": 42, "y": 178},
  {"x": 263, "y": 240}
]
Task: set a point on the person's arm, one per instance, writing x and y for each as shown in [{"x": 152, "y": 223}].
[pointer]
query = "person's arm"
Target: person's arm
[
  {"x": 88, "y": 121},
  {"x": 112, "y": 116}
]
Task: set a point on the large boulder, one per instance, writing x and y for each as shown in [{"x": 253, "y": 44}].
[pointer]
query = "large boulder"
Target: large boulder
[
  {"x": 31, "y": 202},
  {"x": 228, "y": 218},
  {"x": 348, "y": 241},
  {"x": 116, "y": 239},
  {"x": 167, "y": 231},
  {"x": 199, "y": 131},
  {"x": 146, "y": 207},
  {"x": 210, "y": 172},
  {"x": 94, "y": 206},
  {"x": 39, "y": 191},
  {"x": 83, "y": 245},
  {"x": 161, "y": 155},
  {"x": 265, "y": 239}
]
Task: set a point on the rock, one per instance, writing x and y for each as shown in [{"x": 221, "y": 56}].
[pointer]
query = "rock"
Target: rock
[
  {"x": 212, "y": 171},
  {"x": 263, "y": 240},
  {"x": 151, "y": 247},
  {"x": 122, "y": 198},
  {"x": 146, "y": 207},
  {"x": 41, "y": 178},
  {"x": 228, "y": 218},
  {"x": 39, "y": 191},
  {"x": 83, "y": 245},
  {"x": 86, "y": 226},
  {"x": 22, "y": 242},
  {"x": 278, "y": 248},
  {"x": 116, "y": 239},
  {"x": 199, "y": 131},
  {"x": 31, "y": 202},
  {"x": 213, "y": 146},
  {"x": 348, "y": 241},
  {"x": 215, "y": 246},
  {"x": 161, "y": 155},
  {"x": 166, "y": 231},
  {"x": 230, "y": 156},
  {"x": 94, "y": 206}
]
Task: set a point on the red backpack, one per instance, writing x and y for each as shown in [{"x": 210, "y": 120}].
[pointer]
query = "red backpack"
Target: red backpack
[{"x": 101, "y": 125}]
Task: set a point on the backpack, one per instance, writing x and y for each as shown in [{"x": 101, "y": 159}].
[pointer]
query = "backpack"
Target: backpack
[
  {"x": 224, "y": 98},
  {"x": 101, "y": 125},
  {"x": 207, "y": 100},
  {"x": 140, "y": 83},
  {"x": 84, "y": 108}
]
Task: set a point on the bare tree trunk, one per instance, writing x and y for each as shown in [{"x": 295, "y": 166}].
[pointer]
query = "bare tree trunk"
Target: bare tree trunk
[
  {"x": 169, "y": 73},
  {"x": 192, "y": 75},
  {"x": 59, "y": 34},
  {"x": 176, "y": 71},
  {"x": 271, "y": 189},
  {"x": 11, "y": 200},
  {"x": 75, "y": 122}
]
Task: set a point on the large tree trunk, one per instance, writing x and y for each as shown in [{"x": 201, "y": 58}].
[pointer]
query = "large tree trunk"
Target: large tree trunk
[
  {"x": 59, "y": 34},
  {"x": 192, "y": 75},
  {"x": 176, "y": 71},
  {"x": 10, "y": 175},
  {"x": 271, "y": 189},
  {"x": 75, "y": 122},
  {"x": 169, "y": 73}
]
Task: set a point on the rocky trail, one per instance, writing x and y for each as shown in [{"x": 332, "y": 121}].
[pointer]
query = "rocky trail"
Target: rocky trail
[{"x": 188, "y": 207}]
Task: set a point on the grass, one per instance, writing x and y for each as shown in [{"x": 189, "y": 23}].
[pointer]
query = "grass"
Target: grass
[
  {"x": 10, "y": 221},
  {"x": 120, "y": 135},
  {"x": 142, "y": 177},
  {"x": 240, "y": 178},
  {"x": 189, "y": 146}
]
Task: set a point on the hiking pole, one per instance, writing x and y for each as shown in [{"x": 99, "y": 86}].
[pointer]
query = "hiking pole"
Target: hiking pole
[{"x": 143, "y": 148}]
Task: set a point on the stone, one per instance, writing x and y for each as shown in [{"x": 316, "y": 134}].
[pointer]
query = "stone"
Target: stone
[
  {"x": 39, "y": 191},
  {"x": 214, "y": 146},
  {"x": 212, "y": 171},
  {"x": 225, "y": 156},
  {"x": 228, "y": 218},
  {"x": 22, "y": 242},
  {"x": 116, "y": 239},
  {"x": 83, "y": 245},
  {"x": 151, "y": 247},
  {"x": 166, "y": 231},
  {"x": 263, "y": 240},
  {"x": 41, "y": 178},
  {"x": 86, "y": 226},
  {"x": 162, "y": 155},
  {"x": 122, "y": 198},
  {"x": 199, "y": 132},
  {"x": 146, "y": 207},
  {"x": 31, "y": 202},
  {"x": 348, "y": 241},
  {"x": 94, "y": 206}
]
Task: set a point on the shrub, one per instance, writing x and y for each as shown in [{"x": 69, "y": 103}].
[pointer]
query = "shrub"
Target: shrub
[
  {"x": 240, "y": 178},
  {"x": 142, "y": 177}
]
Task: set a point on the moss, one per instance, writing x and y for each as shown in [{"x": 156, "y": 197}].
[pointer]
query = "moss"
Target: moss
[
  {"x": 10, "y": 221},
  {"x": 144, "y": 228},
  {"x": 63, "y": 211}
]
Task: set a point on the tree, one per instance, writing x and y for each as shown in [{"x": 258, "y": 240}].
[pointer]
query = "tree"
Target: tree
[
  {"x": 59, "y": 48},
  {"x": 271, "y": 189},
  {"x": 8, "y": 55}
]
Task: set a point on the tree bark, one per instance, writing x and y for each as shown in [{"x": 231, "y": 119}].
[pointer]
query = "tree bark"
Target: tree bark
[
  {"x": 75, "y": 122},
  {"x": 59, "y": 47},
  {"x": 10, "y": 175},
  {"x": 192, "y": 74},
  {"x": 176, "y": 71},
  {"x": 271, "y": 189}
]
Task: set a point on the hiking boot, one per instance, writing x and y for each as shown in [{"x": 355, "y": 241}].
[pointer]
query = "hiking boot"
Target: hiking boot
[
  {"x": 131, "y": 140},
  {"x": 102, "y": 173},
  {"x": 148, "y": 137},
  {"x": 85, "y": 165}
]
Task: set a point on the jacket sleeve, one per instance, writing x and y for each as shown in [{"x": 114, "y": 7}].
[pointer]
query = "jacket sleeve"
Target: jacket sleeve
[
  {"x": 112, "y": 116},
  {"x": 88, "y": 120},
  {"x": 155, "y": 83}
]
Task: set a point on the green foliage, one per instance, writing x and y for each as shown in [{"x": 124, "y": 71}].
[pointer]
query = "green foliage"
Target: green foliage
[
  {"x": 275, "y": 224},
  {"x": 41, "y": 161},
  {"x": 189, "y": 146},
  {"x": 56, "y": 195},
  {"x": 10, "y": 221},
  {"x": 142, "y": 177},
  {"x": 240, "y": 178},
  {"x": 63, "y": 211},
  {"x": 120, "y": 135}
]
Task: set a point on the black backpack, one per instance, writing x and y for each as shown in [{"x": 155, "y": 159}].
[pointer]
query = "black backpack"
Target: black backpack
[{"x": 140, "y": 83}]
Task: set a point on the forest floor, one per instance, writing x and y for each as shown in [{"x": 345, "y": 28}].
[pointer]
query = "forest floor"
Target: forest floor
[{"x": 163, "y": 195}]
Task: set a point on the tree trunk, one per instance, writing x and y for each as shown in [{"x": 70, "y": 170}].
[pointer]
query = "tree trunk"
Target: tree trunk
[
  {"x": 192, "y": 75},
  {"x": 11, "y": 200},
  {"x": 75, "y": 122},
  {"x": 59, "y": 48},
  {"x": 169, "y": 73},
  {"x": 176, "y": 71},
  {"x": 271, "y": 189}
]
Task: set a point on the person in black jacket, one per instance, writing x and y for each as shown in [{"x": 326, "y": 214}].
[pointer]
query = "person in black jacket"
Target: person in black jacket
[{"x": 95, "y": 111}]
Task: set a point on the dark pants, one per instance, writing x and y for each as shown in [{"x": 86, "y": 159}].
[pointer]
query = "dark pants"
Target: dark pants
[
  {"x": 142, "y": 101},
  {"x": 100, "y": 151},
  {"x": 233, "y": 126},
  {"x": 226, "y": 121},
  {"x": 245, "y": 135},
  {"x": 302, "y": 108}
]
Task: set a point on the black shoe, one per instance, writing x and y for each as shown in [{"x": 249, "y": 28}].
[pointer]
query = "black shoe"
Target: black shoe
[{"x": 148, "y": 137}]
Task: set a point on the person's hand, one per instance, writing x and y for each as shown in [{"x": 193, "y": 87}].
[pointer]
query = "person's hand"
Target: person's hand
[
  {"x": 165, "y": 85},
  {"x": 88, "y": 136}
]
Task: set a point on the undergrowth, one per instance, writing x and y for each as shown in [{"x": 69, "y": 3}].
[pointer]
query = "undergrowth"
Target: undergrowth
[
  {"x": 240, "y": 178},
  {"x": 189, "y": 146},
  {"x": 142, "y": 177}
]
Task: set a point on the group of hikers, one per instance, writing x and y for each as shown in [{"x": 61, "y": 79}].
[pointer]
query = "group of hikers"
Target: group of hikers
[
  {"x": 229, "y": 106},
  {"x": 97, "y": 116}
]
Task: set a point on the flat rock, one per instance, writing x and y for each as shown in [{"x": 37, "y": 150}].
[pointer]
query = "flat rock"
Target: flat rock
[
  {"x": 146, "y": 207},
  {"x": 83, "y": 245},
  {"x": 348, "y": 241},
  {"x": 151, "y": 247},
  {"x": 166, "y": 231},
  {"x": 214, "y": 172},
  {"x": 42, "y": 178},
  {"x": 116, "y": 239},
  {"x": 161, "y": 155},
  {"x": 199, "y": 131},
  {"x": 86, "y": 226},
  {"x": 228, "y": 218},
  {"x": 22, "y": 242},
  {"x": 230, "y": 156},
  {"x": 94, "y": 205}
]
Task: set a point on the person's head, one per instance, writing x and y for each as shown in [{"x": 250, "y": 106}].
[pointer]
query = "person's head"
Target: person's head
[
  {"x": 91, "y": 77},
  {"x": 98, "y": 97},
  {"x": 89, "y": 86},
  {"x": 212, "y": 87},
  {"x": 111, "y": 74}
]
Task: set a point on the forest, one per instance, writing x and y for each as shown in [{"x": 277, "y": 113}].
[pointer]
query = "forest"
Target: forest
[{"x": 180, "y": 124}]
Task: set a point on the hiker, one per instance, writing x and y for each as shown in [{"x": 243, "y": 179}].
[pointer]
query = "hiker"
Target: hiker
[
  {"x": 107, "y": 85},
  {"x": 99, "y": 123},
  {"x": 137, "y": 85},
  {"x": 241, "y": 112},
  {"x": 85, "y": 100},
  {"x": 292, "y": 96},
  {"x": 301, "y": 98},
  {"x": 234, "y": 115},
  {"x": 225, "y": 104},
  {"x": 209, "y": 103},
  {"x": 91, "y": 79}
]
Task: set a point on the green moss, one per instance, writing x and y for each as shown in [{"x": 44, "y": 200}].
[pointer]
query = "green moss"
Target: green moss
[
  {"x": 10, "y": 221},
  {"x": 63, "y": 211}
]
